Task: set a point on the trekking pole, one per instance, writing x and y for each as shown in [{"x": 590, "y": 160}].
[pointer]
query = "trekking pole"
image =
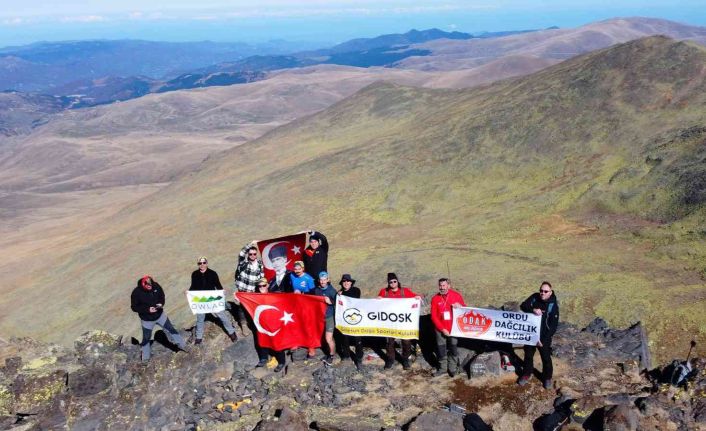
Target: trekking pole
[{"x": 693, "y": 344}]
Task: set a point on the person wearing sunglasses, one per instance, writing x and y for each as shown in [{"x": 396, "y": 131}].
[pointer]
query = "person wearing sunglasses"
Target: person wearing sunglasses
[
  {"x": 248, "y": 272},
  {"x": 147, "y": 300},
  {"x": 542, "y": 303},
  {"x": 394, "y": 289},
  {"x": 204, "y": 278}
]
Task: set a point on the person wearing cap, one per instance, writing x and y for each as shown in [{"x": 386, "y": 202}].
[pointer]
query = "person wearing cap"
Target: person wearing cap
[
  {"x": 204, "y": 278},
  {"x": 329, "y": 293},
  {"x": 349, "y": 289},
  {"x": 316, "y": 254},
  {"x": 263, "y": 286},
  {"x": 441, "y": 316},
  {"x": 395, "y": 290},
  {"x": 147, "y": 300},
  {"x": 247, "y": 273},
  {"x": 302, "y": 282},
  {"x": 545, "y": 304}
]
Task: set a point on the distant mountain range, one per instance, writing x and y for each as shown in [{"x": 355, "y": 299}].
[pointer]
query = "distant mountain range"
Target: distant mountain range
[{"x": 99, "y": 72}]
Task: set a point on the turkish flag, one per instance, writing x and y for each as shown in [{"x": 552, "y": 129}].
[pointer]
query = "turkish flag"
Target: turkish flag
[
  {"x": 279, "y": 254},
  {"x": 285, "y": 320}
]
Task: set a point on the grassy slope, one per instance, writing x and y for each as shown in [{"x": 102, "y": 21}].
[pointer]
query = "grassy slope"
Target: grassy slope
[{"x": 554, "y": 176}]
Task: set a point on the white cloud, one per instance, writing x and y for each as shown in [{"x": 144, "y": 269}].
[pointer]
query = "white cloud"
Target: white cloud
[
  {"x": 13, "y": 21},
  {"x": 84, "y": 18}
]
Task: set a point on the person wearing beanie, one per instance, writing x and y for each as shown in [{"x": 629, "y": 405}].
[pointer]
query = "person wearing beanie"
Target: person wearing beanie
[
  {"x": 205, "y": 278},
  {"x": 147, "y": 300},
  {"x": 395, "y": 290},
  {"x": 349, "y": 289},
  {"x": 316, "y": 254},
  {"x": 441, "y": 316},
  {"x": 329, "y": 293}
]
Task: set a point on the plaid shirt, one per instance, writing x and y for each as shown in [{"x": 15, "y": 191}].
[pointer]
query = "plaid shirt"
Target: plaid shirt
[{"x": 245, "y": 277}]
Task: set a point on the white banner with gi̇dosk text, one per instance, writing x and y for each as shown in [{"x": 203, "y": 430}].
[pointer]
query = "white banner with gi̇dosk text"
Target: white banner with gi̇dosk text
[
  {"x": 496, "y": 325},
  {"x": 386, "y": 317},
  {"x": 206, "y": 301}
]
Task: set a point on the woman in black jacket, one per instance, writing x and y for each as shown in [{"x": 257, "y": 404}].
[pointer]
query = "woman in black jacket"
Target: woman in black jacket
[{"x": 543, "y": 303}]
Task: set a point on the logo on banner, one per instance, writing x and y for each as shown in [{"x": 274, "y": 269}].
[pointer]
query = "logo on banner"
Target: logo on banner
[
  {"x": 352, "y": 316},
  {"x": 473, "y": 323}
]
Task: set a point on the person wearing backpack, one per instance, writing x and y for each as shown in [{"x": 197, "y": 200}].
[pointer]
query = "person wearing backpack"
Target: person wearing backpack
[
  {"x": 395, "y": 290},
  {"x": 542, "y": 303}
]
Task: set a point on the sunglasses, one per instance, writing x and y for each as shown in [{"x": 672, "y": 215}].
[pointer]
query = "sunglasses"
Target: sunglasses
[
  {"x": 203, "y": 263},
  {"x": 393, "y": 281},
  {"x": 252, "y": 254},
  {"x": 545, "y": 291},
  {"x": 261, "y": 285}
]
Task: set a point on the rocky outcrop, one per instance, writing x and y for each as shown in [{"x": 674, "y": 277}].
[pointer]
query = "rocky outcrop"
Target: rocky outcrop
[{"x": 101, "y": 384}]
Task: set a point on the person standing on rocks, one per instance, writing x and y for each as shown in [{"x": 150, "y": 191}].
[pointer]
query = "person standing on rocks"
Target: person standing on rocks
[
  {"x": 442, "y": 318},
  {"x": 316, "y": 254},
  {"x": 205, "y": 278},
  {"x": 349, "y": 289},
  {"x": 147, "y": 300},
  {"x": 248, "y": 271},
  {"x": 329, "y": 293},
  {"x": 543, "y": 303},
  {"x": 394, "y": 290},
  {"x": 263, "y": 286}
]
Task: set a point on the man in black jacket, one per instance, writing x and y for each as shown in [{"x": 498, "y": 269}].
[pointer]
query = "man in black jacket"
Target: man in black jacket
[
  {"x": 205, "y": 278},
  {"x": 349, "y": 289},
  {"x": 316, "y": 255},
  {"x": 147, "y": 300},
  {"x": 543, "y": 303}
]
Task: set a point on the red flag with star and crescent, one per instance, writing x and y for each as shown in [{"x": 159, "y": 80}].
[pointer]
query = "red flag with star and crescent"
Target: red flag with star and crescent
[
  {"x": 279, "y": 254},
  {"x": 285, "y": 320}
]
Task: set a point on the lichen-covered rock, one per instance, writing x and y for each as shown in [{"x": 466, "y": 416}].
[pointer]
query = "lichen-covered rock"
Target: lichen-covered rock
[
  {"x": 6, "y": 401},
  {"x": 95, "y": 343},
  {"x": 485, "y": 364},
  {"x": 287, "y": 420},
  {"x": 34, "y": 393}
]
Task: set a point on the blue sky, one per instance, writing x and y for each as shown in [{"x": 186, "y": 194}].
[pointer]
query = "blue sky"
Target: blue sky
[{"x": 320, "y": 21}]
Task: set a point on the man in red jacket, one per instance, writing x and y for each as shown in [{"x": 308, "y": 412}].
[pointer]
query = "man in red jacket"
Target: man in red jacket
[
  {"x": 442, "y": 315},
  {"x": 395, "y": 290}
]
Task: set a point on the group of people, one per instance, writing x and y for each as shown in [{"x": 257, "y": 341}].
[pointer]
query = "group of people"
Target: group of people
[{"x": 310, "y": 276}]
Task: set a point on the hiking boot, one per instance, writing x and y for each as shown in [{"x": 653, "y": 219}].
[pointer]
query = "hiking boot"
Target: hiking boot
[
  {"x": 523, "y": 380},
  {"x": 406, "y": 365},
  {"x": 358, "y": 365},
  {"x": 233, "y": 337},
  {"x": 548, "y": 384},
  {"x": 279, "y": 368},
  {"x": 328, "y": 359},
  {"x": 198, "y": 341},
  {"x": 261, "y": 363},
  {"x": 245, "y": 331},
  {"x": 388, "y": 365}
]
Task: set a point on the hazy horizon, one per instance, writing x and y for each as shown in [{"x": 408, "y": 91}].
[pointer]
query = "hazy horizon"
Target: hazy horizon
[{"x": 321, "y": 23}]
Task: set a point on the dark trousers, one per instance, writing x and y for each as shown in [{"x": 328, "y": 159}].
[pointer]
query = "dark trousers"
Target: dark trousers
[
  {"x": 241, "y": 315},
  {"x": 357, "y": 342},
  {"x": 447, "y": 345},
  {"x": 545, "y": 353},
  {"x": 406, "y": 349},
  {"x": 263, "y": 353}
]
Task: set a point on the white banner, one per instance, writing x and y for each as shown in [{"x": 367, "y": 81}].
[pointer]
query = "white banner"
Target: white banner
[
  {"x": 387, "y": 317},
  {"x": 206, "y": 301},
  {"x": 496, "y": 325}
]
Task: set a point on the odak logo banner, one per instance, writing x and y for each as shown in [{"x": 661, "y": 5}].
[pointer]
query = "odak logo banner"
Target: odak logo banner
[
  {"x": 496, "y": 325},
  {"x": 206, "y": 301},
  {"x": 397, "y": 318}
]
